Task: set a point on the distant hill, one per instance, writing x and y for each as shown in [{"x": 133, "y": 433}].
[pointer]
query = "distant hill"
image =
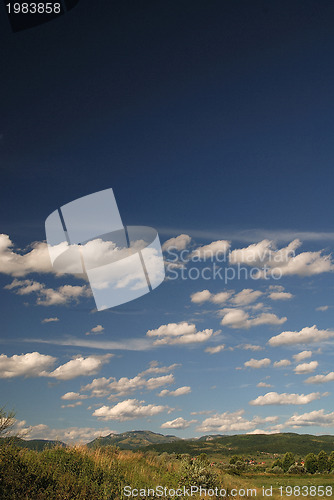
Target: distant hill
[
  {"x": 247, "y": 444},
  {"x": 32, "y": 444},
  {"x": 133, "y": 439}
]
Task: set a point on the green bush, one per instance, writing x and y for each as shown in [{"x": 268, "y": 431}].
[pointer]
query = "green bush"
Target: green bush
[{"x": 196, "y": 472}]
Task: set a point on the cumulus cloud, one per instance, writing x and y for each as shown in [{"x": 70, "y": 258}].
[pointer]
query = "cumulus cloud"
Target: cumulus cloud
[
  {"x": 216, "y": 349},
  {"x": 263, "y": 384},
  {"x": 238, "y": 318},
  {"x": 322, "y": 308},
  {"x": 206, "y": 296},
  {"x": 96, "y": 330},
  {"x": 282, "y": 363},
  {"x": 68, "y": 435},
  {"x": 320, "y": 379},
  {"x": 32, "y": 364},
  {"x": 112, "y": 387},
  {"x": 178, "y": 392},
  {"x": 80, "y": 366},
  {"x": 72, "y": 396},
  {"x": 177, "y": 423},
  {"x": 50, "y": 320},
  {"x": 180, "y": 242},
  {"x": 179, "y": 333},
  {"x": 72, "y": 405},
  {"x": 257, "y": 363},
  {"x": 34, "y": 259},
  {"x": 233, "y": 421},
  {"x": 280, "y": 296},
  {"x": 246, "y": 296},
  {"x": 212, "y": 250},
  {"x": 285, "y": 261},
  {"x": 305, "y": 336},
  {"x": 155, "y": 368},
  {"x": 49, "y": 296},
  {"x": 250, "y": 347},
  {"x": 316, "y": 418},
  {"x": 306, "y": 367},
  {"x": 302, "y": 355},
  {"x": 273, "y": 398},
  {"x": 200, "y": 297},
  {"x": 128, "y": 410}
]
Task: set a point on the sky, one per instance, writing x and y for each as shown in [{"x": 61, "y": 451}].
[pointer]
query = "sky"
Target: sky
[{"x": 213, "y": 123}]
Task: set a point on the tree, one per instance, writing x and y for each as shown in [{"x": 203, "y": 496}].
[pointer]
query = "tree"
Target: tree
[
  {"x": 288, "y": 460},
  {"x": 311, "y": 463},
  {"x": 234, "y": 459},
  {"x": 7, "y": 420},
  {"x": 331, "y": 461},
  {"x": 277, "y": 463},
  {"x": 323, "y": 463}
]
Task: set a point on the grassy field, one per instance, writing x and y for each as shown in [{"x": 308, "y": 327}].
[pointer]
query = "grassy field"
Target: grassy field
[{"x": 103, "y": 473}]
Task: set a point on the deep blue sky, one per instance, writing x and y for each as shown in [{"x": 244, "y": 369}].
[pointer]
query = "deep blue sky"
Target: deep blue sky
[{"x": 206, "y": 118}]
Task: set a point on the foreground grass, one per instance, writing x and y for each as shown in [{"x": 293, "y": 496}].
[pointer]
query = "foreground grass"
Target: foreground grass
[{"x": 80, "y": 473}]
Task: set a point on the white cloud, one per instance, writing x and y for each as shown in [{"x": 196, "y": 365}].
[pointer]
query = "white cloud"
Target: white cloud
[
  {"x": 211, "y": 251},
  {"x": 180, "y": 242},
  {"x": 322, "y": 308},
  {"x": 285, "y": 260},
  {"x": 35, "y": 260},
  {"x": 238, "y": 318},
  {"x": 246, "y": 296},
  {"x": 178, "y": 392},
  {"x": 80, "y": 366},
  {"x": 206, "y": 295},
  {"x": 72, "y": 405},
  {"x": 280, "y": 296},
  {"x": 221, "y": 297},
  {"x": 216, "y": 349},
  {"x": 50, "y": 320},
  {"x": 177, "y": 423},
  {"x": 273, "y": 398},
  {"x": 316, "y": 418},
  {"x": 200, "y": 297},
  {"x": 96, "y": 330},
  {"x": 112, "y": 387},
  {"x": 306, "y": 367},
  {"x": 257, "y": 363},
  {"x": 306, "y": 336},
  {"x": 232, "y": 421},
  {"x": 250, "y": 347},
  {"x": 49, "y": 296},
  {"x": 155, "y": 368},
  {"x": 32, "y": 364},
  {"x": 72, "y": 396},
  {"x": 128, "y": 410},
  {"x": 261, "y": 431},
  {"x": 282, "y": 363},
  {"x": 302, "y": 355},
  {"x": 320, "y": 379},
  {"x": 179, "y": 333},
  {"x": 67, "y": 435},
  {"x": 263, "y": 384}
]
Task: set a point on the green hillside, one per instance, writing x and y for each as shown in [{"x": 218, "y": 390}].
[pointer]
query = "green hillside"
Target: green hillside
[
  {"x": 245, "y": 444},
  {"x": 132, "y": 440},
  {"x": 32, "y": 444}
]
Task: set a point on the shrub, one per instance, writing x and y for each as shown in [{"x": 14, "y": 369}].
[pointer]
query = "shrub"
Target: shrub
[
  {"x": 195, "y": 472},
  {"x": 276, "y": 470},
  {"x": 296, "y": 469}
]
